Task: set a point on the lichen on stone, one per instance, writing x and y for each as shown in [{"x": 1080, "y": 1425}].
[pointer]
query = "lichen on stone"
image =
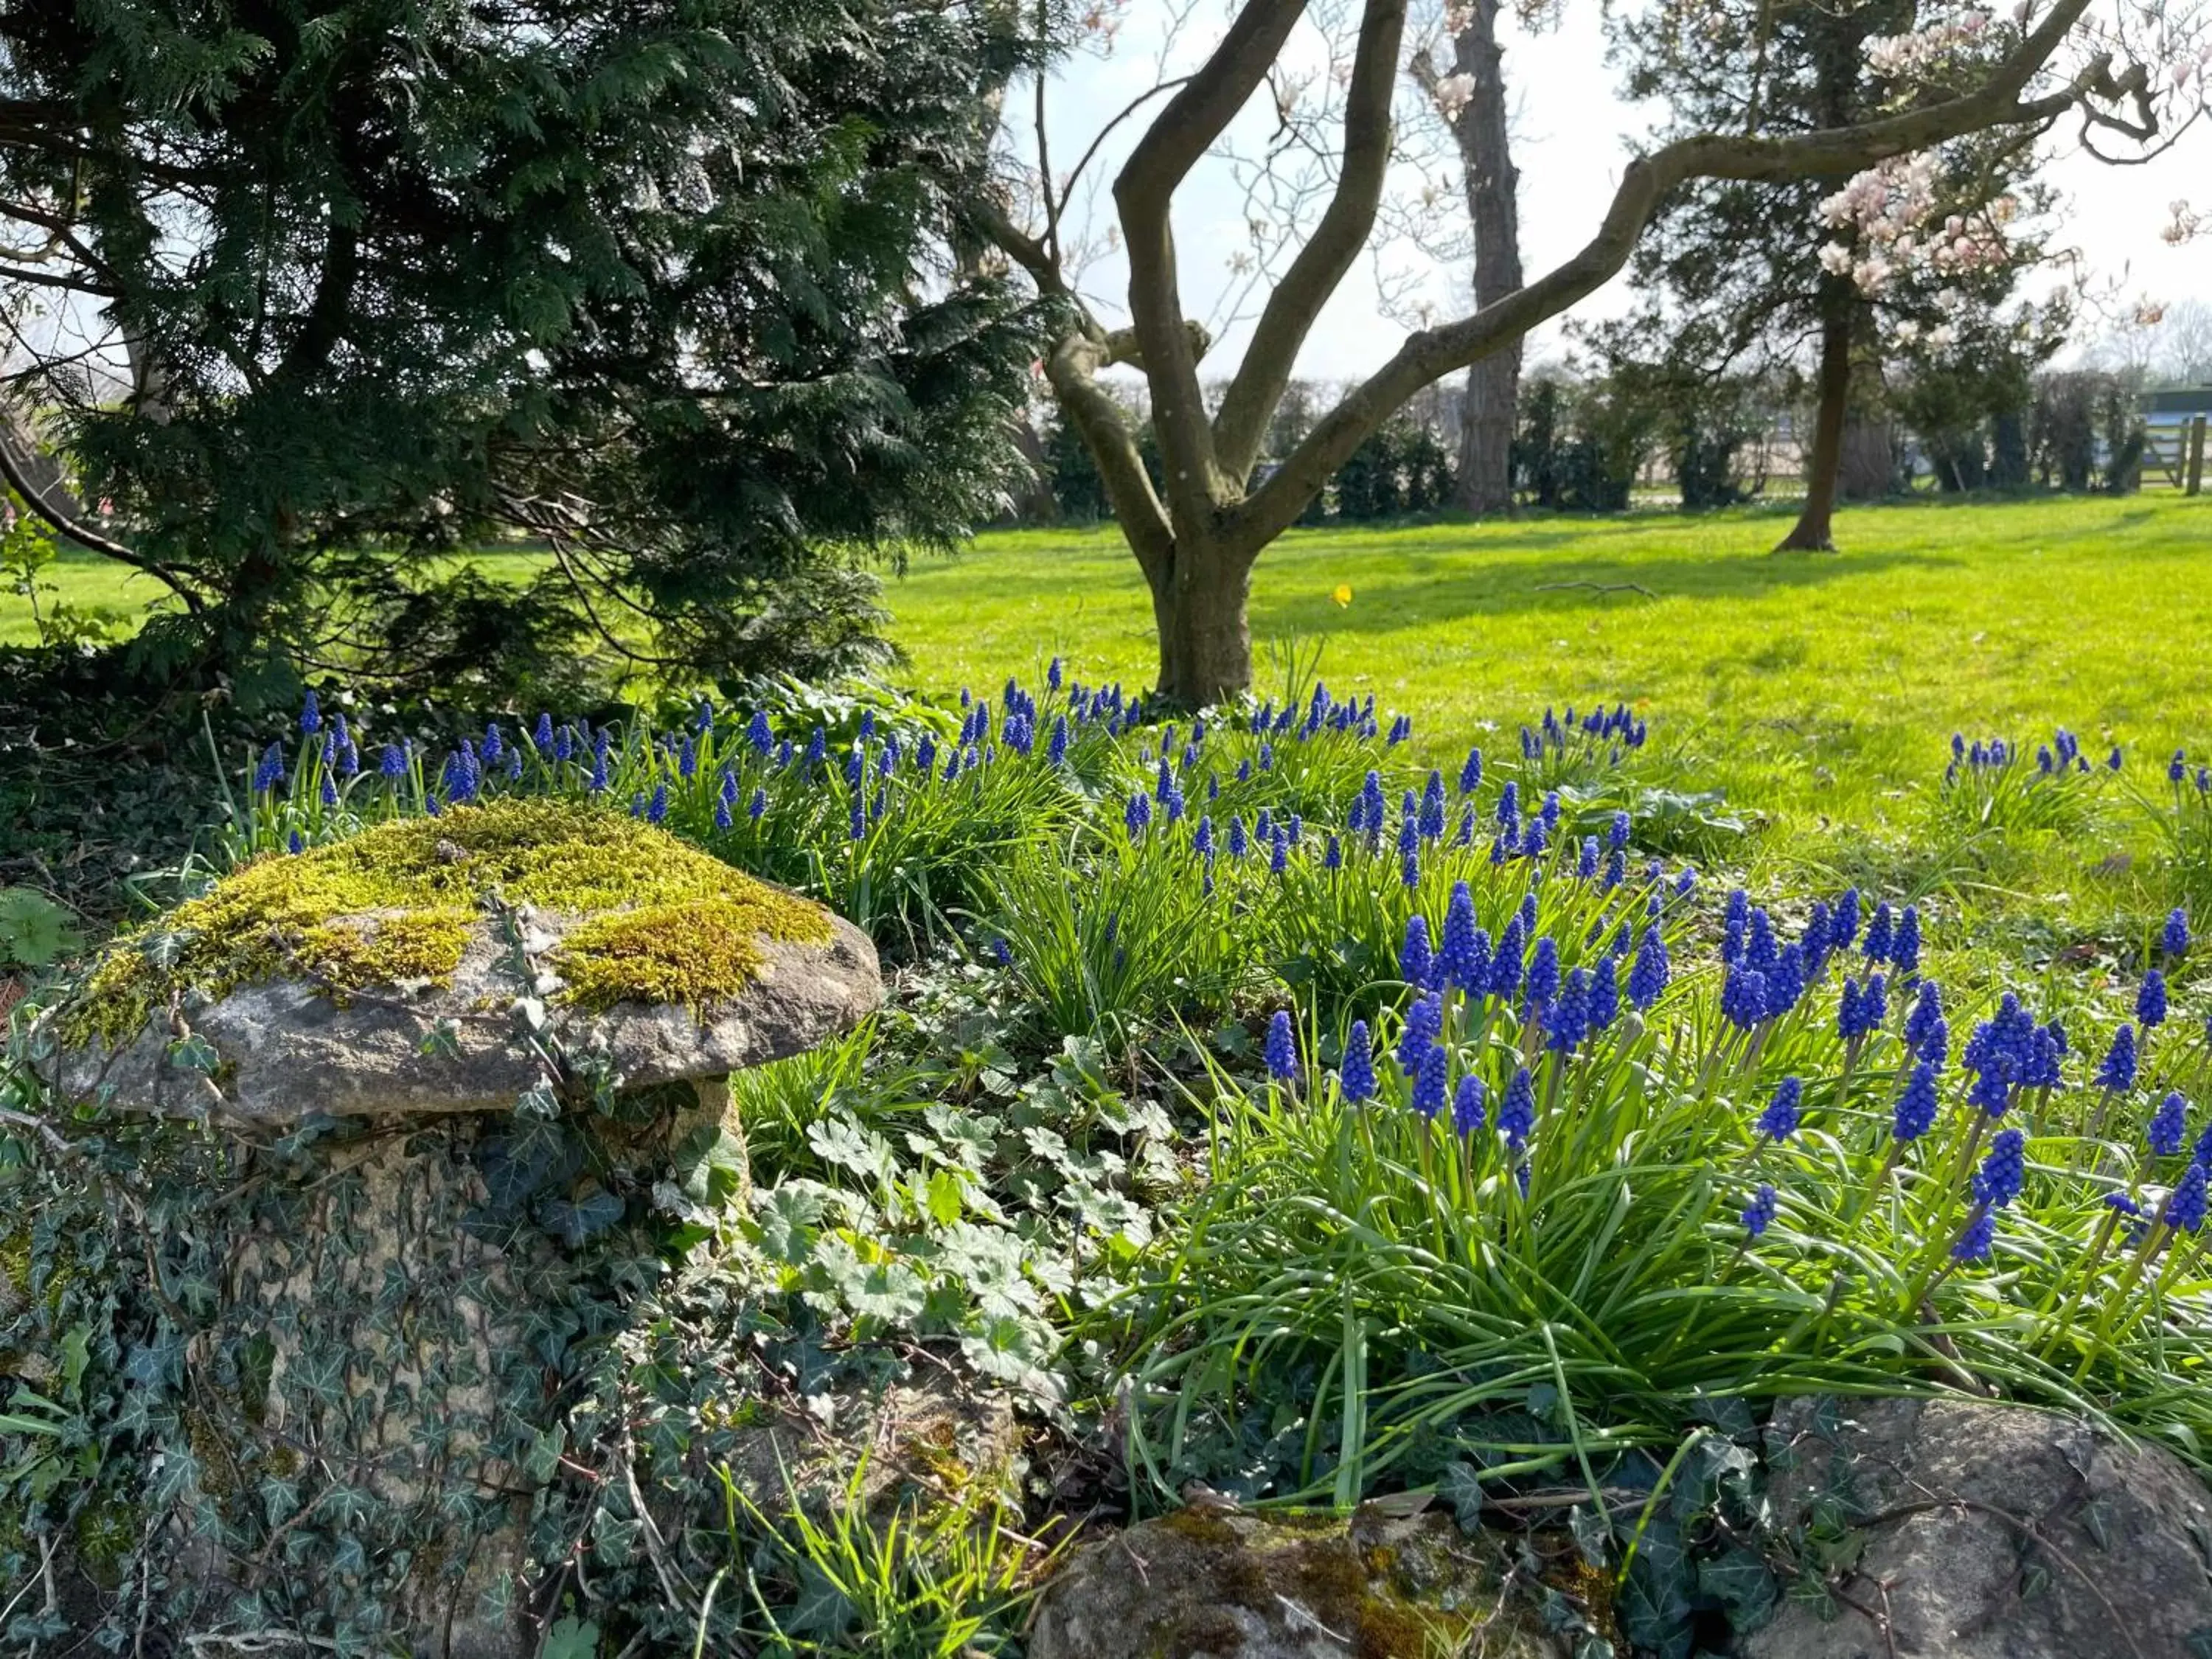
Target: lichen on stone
[{"x": 395, "y": 905}]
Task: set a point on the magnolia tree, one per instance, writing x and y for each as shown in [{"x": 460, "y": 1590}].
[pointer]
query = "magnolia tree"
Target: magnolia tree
[
  {"x": 1198, "y": 534},
  {"x": 1774, "y": 277}
]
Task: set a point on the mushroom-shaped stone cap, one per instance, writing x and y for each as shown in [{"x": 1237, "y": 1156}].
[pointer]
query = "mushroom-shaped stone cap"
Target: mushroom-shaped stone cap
[{"x": 380, "y": 974}]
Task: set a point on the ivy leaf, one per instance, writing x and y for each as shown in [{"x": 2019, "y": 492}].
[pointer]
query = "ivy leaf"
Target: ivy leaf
[
  {"x": 76, "y": 1355},
  {"x": 1743, "y": 1585},
  {"x": 544, "y": 1454},
  {"x": 537, "y": 1101},
  {"x": 1715, "y": 1467},
  {"x": 823, "y": 1608},
  {"x": 1544, "y": 1403},
  {"x": 573, "y": 1220},
  {"x": 195, "y": 1054},
  {"x": 1593, "y": 1534},
  {"x": 1460, "y": 1486},
  {"x": 165, "y": 948},
  {"x": 1654, "y": 1604}
]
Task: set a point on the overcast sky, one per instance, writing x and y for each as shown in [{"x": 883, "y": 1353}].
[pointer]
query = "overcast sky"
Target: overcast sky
[{"x": 1572, "y": 133}]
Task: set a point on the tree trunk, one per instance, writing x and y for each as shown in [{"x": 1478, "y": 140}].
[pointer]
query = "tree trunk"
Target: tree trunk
[
  {"x": 1199, "y": 607},
  {"x": 1484, "y": 484},
  {"x": 1812, "y": 533},
  {"x": 1867, "y": 471}
]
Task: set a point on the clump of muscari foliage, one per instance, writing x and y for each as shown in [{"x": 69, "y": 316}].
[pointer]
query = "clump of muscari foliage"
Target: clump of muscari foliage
[
  {"x": 2180, "y": 814},
  {"x": 1503, "y": 1152},
  {"x": 1997, "y": 784}
]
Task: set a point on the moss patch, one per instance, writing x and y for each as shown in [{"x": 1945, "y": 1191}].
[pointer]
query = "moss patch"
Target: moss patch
[
  {"x": 1394, "y": 1592},
  {"x": 16, "y": 1268},
  {"x": 395, "y": 904}
]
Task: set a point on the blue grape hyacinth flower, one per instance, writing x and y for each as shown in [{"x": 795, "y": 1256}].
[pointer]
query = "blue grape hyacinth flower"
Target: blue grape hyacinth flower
[
  {"x": 1281, "y": 1048},
  {"x": 2184, "y": 1205},
  {"x": 1430, "y": 1076},
  {"x": 1467, "y": 1106},
  {"x": 2169, "y": 1126},
  {"x": 1879, "y": 934},
  {"x": 1541, "y": 986},
  {"x": 1424, "y": 1024},
  {"x": 2174, "y": 939},
  {"x": 1416, "y": 961},
  {"x": 1743, "y": 996},
  {"x": 1759, "y": 1214},
  {"x": 1780, "y": 1119},
  {"x": 1648, "y": 974},
  {"x": 1977, "y": 1240},
  {"x": 2117, "y": 1073},
  {"x": 1517, "y": 1113},
  {"x": 1914, "y": 1113},
  {"x": 1568, "y": 1021},
  {"x": 1904, "y": 948},
  {"x": 1604, "y": 995},
  {"x": 2150, "y": 1000},
  {"x": 1356, "y": 1077},
  {"x": 2003, "y": 1170}
]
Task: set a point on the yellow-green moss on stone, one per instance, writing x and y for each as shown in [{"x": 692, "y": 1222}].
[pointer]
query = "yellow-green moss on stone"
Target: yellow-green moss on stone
[
  {"x": 393, "y": 905},
  {"x": 16, "y": 1264}
]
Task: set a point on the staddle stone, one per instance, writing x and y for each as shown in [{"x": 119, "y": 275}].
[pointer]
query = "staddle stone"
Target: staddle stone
[{"x": 381, "y": 975}]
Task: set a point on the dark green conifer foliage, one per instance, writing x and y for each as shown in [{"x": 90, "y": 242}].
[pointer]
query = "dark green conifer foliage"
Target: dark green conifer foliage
[{"x": 311, "y": 289}]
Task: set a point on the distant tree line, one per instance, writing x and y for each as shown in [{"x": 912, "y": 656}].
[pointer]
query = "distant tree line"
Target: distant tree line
[{"x": 1593, "y": 437}]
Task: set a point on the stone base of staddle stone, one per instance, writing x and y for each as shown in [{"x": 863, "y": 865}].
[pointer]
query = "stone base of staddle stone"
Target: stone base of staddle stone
[
  {"x": 277, "y": 1050},
  {"x": 370, "y": 1401}
]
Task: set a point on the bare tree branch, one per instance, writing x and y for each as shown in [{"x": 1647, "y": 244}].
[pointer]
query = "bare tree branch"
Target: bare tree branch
[
  {"x": 1322, "y": 264},
  {"x": 12, "y": 469},
  {"x": 1430, "y": 354},
  {"x": 1194, "y": 118},
  {"x": 1073, "y": 369}
]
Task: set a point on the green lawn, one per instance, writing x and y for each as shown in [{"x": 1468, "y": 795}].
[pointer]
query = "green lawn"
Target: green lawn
[{"x": 1820, "y": 692}]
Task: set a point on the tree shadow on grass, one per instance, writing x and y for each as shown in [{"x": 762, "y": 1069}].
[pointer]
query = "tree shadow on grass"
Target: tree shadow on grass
[{"x": 1416, "y": 597}]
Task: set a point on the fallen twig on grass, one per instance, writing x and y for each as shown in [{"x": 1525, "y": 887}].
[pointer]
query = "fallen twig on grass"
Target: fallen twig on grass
[{"x": 1596, "y": 587}]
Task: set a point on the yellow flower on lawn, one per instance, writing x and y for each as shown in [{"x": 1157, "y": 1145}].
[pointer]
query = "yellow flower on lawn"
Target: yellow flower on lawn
[{"x": 1342, "y": 595}]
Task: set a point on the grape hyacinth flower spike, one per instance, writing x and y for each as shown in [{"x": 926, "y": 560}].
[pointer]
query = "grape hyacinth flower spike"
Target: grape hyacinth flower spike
[
  {"x": 1281, "y": 1049},
  {"x": 1517, "y": 1113},
  {"x": 1780, "y": 1119},
  {"x": 1356, "y": 1078},
  {"x": 1467, "y": 1106},
  {"x": 1759, "y": 1214},
  {"x": 2150, "y": 1000},
  {"x": 2169, "y": 1126}
]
